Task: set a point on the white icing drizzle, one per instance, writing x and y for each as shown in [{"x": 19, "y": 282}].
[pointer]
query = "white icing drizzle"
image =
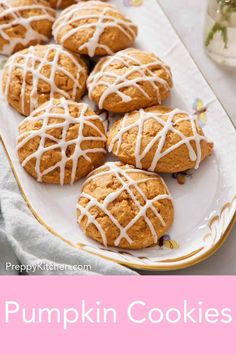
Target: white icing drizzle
[
  {"x": 103, "y": 70},
  {"x": 65, "y": 120},
  {"x": 27, "y": 61},
  {"x": 168, "y": 125},
  {"x": 7, "y": 8},
  {"x": 98, "y": 11},
  {"x": 127, "y": 184}
]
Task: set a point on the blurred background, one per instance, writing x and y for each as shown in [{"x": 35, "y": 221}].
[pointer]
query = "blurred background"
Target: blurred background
[{"x": 189, "y": 19}]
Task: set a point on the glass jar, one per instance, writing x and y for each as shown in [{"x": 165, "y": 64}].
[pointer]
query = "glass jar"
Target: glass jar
[{"x": 220, "y": 31}]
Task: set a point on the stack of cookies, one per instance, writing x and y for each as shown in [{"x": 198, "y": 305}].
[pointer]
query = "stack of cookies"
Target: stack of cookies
[{"x": 126, "y": 203}]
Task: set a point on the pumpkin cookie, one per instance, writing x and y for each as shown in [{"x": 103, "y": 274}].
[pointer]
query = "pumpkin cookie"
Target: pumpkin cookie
[
  {"x": 159, "y": 139},
  {"x": 124, "y": 207},
  {"x": 34, "y": 75},
  {"x": 129, "y": 80},
  {"x": 24, "y": 23},
  {"x": 94, "y": 28},
  {"x": 61, "y": 141}
]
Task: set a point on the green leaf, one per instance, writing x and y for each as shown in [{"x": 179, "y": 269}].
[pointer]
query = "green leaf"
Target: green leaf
[{"x": 217, "y": 27}]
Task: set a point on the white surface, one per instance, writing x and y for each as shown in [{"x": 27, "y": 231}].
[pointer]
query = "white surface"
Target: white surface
[
  {"x": 188, "y": 18},
  {"x": 200, "y": 199},
  {"x": 188, "y": 21}
]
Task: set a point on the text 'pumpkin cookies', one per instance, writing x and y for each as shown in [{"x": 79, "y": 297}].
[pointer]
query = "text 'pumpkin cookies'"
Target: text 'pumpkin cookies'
[
  {"x": 159, "y": 139},
  {"x": 61, "y": 142},
  {"x": 94, "y": 28},
  {"x": 124, "y": 207},
  {"x": 129, "y": 80},
  {"x": 24, "y": 23},
  {"x": 36, "y": 74}
]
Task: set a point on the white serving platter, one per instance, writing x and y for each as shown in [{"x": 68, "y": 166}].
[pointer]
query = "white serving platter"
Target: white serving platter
[{"x": 205, "y": 206}]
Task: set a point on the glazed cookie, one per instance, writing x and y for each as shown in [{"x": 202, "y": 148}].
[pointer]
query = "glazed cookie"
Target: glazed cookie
[
  {"x": 94, "y": 28},
  {"x": 24, "y": 23},
  {"x": 124, "y": 207},
  {"x": 159, "y": 139},
  {"x": 129, "y": 80},
  {"x": 61, "y": 4},
  {"x": 61, "y": 141},
  {"x": 34, "y": 75}
]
